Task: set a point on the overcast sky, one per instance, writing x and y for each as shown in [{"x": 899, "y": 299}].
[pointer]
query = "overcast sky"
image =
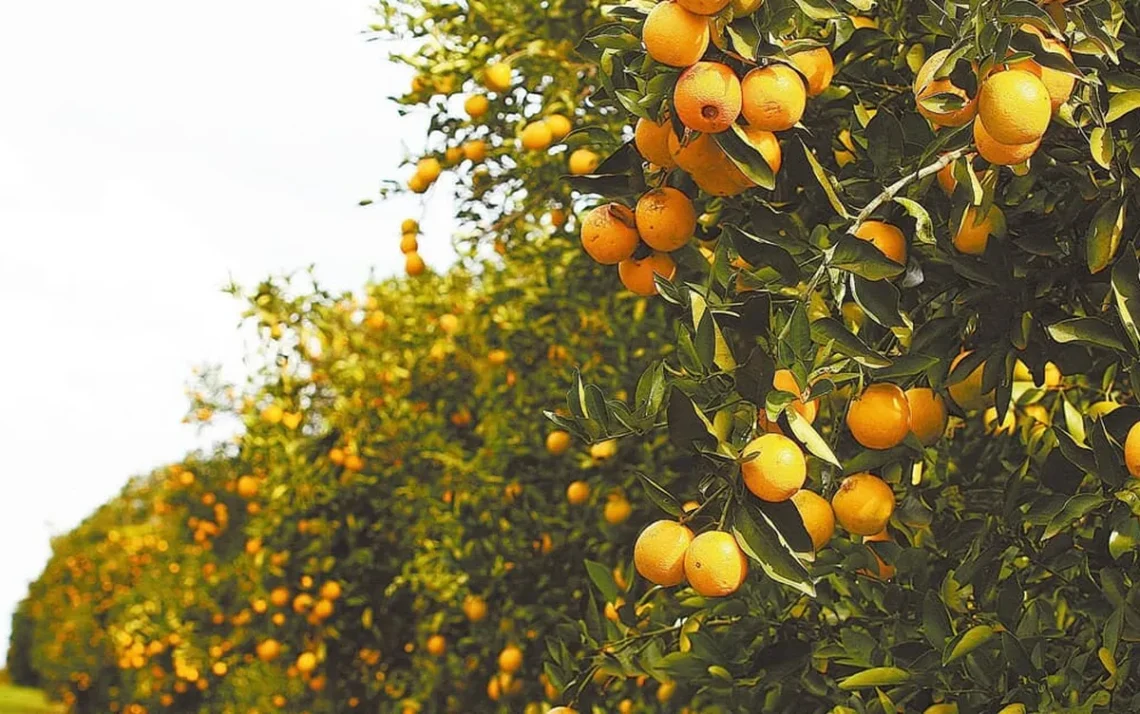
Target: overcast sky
[{"x": 150, "y": 151}]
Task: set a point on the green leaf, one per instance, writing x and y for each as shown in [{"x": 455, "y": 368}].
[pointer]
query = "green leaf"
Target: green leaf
[
  {"x": 1074, "y": 509},
  {"x": 761, "y": 542},
  {"x": 686, "y": 422},
  {"x": 829, "y": 330},
  {"x": 810, "y": 438},
  {"x": 861, "y": 258},
  {"x": 1102, "y": 146},
  {"x": 923, "y": 226},
  {"x": 1086, "y": 330},
  {"x": 1121, "y": 104},
  {"x": 721, "y": 354},
  {"x": 763, "y": 253},
  {"x": 747, "y": 157},
  {"x": 819, "y": 9},
  {"x": 936, "y": 624},
  {"x": 661, "y": 498},
  {"x": 824, "y": 180},
  {"x": 885, "y": 142},
  {"x": 603, "y": 580},
  {"x": 651, "y": 389},
  {"x": 1080, "y": 456},
  {"x": 875, "y": 677},
  {"x": 1126, "y": 290},
  {"x": 966, "y": 642},
  {"x": 879, "y": 299},
  {"x": 1103, "y": 235}
]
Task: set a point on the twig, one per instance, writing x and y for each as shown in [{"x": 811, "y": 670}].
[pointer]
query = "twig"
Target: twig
[{"x": 891, "y": 191}]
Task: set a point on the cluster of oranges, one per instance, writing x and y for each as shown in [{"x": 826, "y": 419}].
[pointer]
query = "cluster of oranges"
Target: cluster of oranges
[{"x": 410, "y": 247}]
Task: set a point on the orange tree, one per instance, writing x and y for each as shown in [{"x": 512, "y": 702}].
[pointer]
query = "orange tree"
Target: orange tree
[{"x": 914, "y": 228}]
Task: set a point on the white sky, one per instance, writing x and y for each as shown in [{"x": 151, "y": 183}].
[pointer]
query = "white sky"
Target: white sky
[{"x": 150, "y": 150}]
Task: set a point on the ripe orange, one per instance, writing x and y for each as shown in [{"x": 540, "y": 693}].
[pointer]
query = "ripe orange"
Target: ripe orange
[
  {"x": 818, "y": 518},
  {"x": 863, "y": 504},
  {"x": 1001, "y": 154},
  {"x": 711, "y": 169},
  {"x": 510, "y": 659},
  {"x": 675, "y": 36},
  {"x": 946, "y": 180},
  {"x": 306, "y": 662},
  {"x": 474, "y": 608},
  {"x": 497, "y": 358},
  {"x": 330, "y": 591},
  {"x": 926, "y": 86},
  {"x": 968, "y": 393},
  {"x": 410, "y": 225},
  {"x": 776, "y": 469},
  {"x": 414, "y": 264},
  {"x": 886, "y": 572},
  {"x": 927, "y": 414},
  {"x": 714, "y": 564},
  {"x": 617, "y": 509},
  {"x": 659, "y": 553},
  {"x": 637, "y": 275},
  {"x": 429, "y": 169},
  {"x": 497, "y": 77},
  {"x": 666, "y": 219},
  {"x": 609, "y": 233},
  {"x": 247, "y": 487},
  {"x": 1132, "y": 450},
  {"x": 577, "y": 493},
  {"x": 279, "y": 597},
  {"x": 768, "y": 146},
  {"x": 1007, "y": 425},
  {"x": 879, "y": 418},
  {"x": 704, "y": 7},
  {"x": 817, "y": 66},
  {"x": 1053, "y": 375},
  {"x": 652, "y": 142},
  {"x": 561, "y": 710},
  {"x": 1014, "y": 106},
  {"x": 973, "y": 235},
  {"x": 583, "y": 161},
  {"x": 708, "y": 97},
  {"x": 774, "y": 97},
  {"x": 436, "y": 645},
  {"x": 268, "y": 650},
  {"x": 536, "y": 136},
  {"x": 559, "y": 125},
  {"x": 785, "y": 381},
  {"x": 887, "y": 238},
  {"x": 476, "y": 106},
  {"x": 558, "y": 441},
  {"x": 603, "y": 450},
  {"x": 1058, "y": 84},
  {"x": 475, "y": 150},
  {"x": 409, "y": 244}
]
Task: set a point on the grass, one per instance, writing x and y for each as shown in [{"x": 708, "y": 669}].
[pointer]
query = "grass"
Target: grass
[{"x": 18, "y": 700}]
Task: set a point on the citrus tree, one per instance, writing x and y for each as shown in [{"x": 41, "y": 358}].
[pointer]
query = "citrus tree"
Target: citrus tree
[{"x": 909, "y": 310}]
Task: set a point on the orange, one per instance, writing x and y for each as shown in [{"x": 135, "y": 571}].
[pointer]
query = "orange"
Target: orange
[
  {"x": 652, "y": 142},
  {"x": 279, "y": 597},
  {"x": 1053, "y": 375},
  {"x": 410, "y": 225},
  {"x": 785, "y": 381},
  {"x": 659, "y": 553},
  {"x": 711, "y": 169},
  {"x": 774, "y": 97},
  {"x": 476, "y": 106},
  {"x": 497, "y": 77},
  {"x": 448, "y": 323},
  {"x": 417, "y": 184},
  {"x": 968, "y": 393},
  {"x": 708, "y": 97},
  {"x": 817, "y": 66},
  {"x": 1014, "y": 106},
  {"x": 1001, "y": 154},
  {"x": 331, "y": 590},
  {"x": 609, "y": 233},
  {"x": 497, "y": 358},
  {"x": 577, "y": 493},
  {"x": 818, "y": 518},
  {"x": 583, "y": 161},
  {"x": 768, "y": 146},
  {"x": 879, "y": 418},
  {"x": 603, "y": 450},
  {"x": 510, "y": 659},
  {"x": 886, "y": 572},
  {"x": 617, "y": 510},
  {"x": 306, "y": 662},
  {"x": 247, "y": 487},
  {"x": 774, "y": 468},
  {"x": 637, "y": 275},
  {"x": 973, "y": 235},
  {"x": 674, "y": 35},
  {"x": 268, "y": 650},
  {"x": 1132, "y": 450},
  {"x": 559, "y": 125},
  {"x": 536, "y": 136},
  {"x": 475, "y": 150},
  {"x": 1058, "y": 84},
  {"x": 927, "y": 414},
  {"x": 561, "y": 710},
  {"x": 714, "y": 564},
  {"x": 863, "y": 504},
  {"x": 887, "y": 238},
  {"x": 409, "y": 244},
  {"x": 704, "y": 7},
  {"x": 666, "y": 219},
  {"x": 558, "y": 441},
  {"x": 436, "y": 645},
  {"x": 926, "y": 86},
  {"x": 993, "y": 426},
  {"x": 414, "y": 264},
  {"x": 474, "y": 608},
  {"x": 946, "y": 180}
]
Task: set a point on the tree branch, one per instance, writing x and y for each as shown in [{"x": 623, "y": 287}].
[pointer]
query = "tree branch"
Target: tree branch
[{"x": 891, "y": 191}]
